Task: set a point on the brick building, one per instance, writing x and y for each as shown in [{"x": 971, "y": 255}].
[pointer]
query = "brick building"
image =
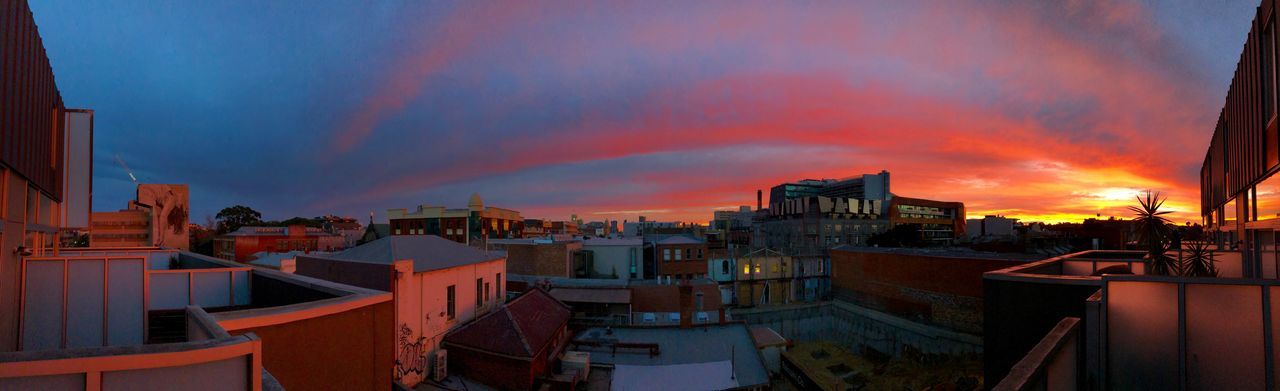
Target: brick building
[
  {"x": 240, "y": 245},
  {"x": 466, "y": 226},
  {"x": 542, "y": 257},
  {"x": 514, "y": 346},
  {"x": 680, "y": 257}
]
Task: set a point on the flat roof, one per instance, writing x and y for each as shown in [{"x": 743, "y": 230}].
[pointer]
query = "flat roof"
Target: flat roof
[
  {"x": 428, "y": 252},
  {"x": 765, "y": 337},
  {"x": 681, "y": 346},
  {"x": 593, "y": 295}
]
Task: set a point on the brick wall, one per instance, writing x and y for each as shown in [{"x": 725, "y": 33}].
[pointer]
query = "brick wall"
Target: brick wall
[
  {"x": 943, "y": 291},
  {"x": 541, "y": 259}
]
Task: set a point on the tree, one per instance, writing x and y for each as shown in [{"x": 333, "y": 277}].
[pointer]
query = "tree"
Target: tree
[
  {"x": 232, "y": 218},
  {"x": 1153, "y": 231}
]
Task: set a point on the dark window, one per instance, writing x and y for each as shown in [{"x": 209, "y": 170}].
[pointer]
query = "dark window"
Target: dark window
[
  {"x": 498, "y": 280},
  {"x": 479, "y": 292},
  {"x": 486, "y": 292},
  {"x": 451, "y": 294},
  {"x": 724, "y": 267}
]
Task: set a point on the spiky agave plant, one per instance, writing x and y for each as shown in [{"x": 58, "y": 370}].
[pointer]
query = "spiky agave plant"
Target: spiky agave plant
[
  {"x": 1198, "y": 261},
  {"x": 1153, "y": 230}
]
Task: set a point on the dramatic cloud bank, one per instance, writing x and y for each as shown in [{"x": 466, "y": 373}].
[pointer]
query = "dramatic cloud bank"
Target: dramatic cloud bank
[{"x": 1055, "y": 112}]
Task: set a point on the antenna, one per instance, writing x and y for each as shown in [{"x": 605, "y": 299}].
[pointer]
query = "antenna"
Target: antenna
[{"x": 126, "y": 169}]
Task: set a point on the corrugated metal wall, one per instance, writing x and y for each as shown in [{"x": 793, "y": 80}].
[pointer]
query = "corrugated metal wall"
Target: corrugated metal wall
[
  {"x": 30, "y": 105},
  {"x": 1244, "y": 145}
]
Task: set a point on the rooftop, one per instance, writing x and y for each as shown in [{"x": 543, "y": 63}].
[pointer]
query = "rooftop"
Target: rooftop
[
  {"x": 943, "y": 252},
  {"x": 428, "y": 252},
  {"x": 712, "y": 355},
  {"x": 680, "y": 239},
  {"x": 613, "y": 242},
  {"x": 592, "y": 295},
  {"x": 520, "y": 328}
]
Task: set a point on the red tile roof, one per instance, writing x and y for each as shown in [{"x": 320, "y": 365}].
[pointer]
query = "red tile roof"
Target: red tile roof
[{"x": 520, "y": 328}]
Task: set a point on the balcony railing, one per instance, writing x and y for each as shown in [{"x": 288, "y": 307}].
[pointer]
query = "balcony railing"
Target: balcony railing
[
  {"x": 103, "y": 298},
  {"x": 210, "y": 357}
]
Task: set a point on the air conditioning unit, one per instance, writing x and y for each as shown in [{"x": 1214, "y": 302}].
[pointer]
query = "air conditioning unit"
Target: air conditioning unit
[
  {"x": 703, "y": 318},
  {"x": 576, "y": 360},
  {"x": 442, "y": 365}
]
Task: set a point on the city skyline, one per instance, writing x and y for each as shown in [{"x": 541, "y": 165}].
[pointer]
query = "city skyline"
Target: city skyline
[{"x": 1044, "y": 112}]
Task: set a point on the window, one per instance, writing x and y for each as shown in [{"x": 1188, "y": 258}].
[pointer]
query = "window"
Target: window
[
  {"x": 452, "y": 297},
  {"x": 33, "y": 205},
  {"x": 757, "y": 267},
  {"x": 632, "y": 267},
  {"x": 724, "y": 267},
  {"x": 666, "y": 254},
  {"x": 498, "y": 291},
  {"x": 699, "y": 253},
  {"x": 479, "y": 292},
  {"x": 773, "y": 268},
  {"x": 678, "y": 254},
  {"x": 486, "y": 292}
]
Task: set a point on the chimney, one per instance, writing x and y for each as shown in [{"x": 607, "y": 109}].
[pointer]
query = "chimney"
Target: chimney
[
  {"x": 686, "y": 305},
  {"x": 759, "y": 199}
]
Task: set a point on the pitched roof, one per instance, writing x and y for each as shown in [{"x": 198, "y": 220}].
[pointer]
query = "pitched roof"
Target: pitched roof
[
  {"x": 428, "y": 252},
  {"x": 521, "y": 328}
]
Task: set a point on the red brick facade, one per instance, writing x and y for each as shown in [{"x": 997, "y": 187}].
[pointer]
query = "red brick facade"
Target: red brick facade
[{"x": 682, "y": 261}]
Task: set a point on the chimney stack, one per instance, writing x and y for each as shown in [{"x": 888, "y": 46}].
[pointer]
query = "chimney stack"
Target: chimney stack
[
  {"x": 759, "y": 199},
  {"x": 686, "y": 305}
]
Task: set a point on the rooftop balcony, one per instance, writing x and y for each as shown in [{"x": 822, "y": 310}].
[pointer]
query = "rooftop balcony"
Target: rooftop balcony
[
  {"x": 94, "y": 318},
  {"x": 1159, "y": 332}
]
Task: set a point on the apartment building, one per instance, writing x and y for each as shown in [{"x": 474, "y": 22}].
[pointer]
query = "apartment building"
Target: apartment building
[{"x": 680, "y": 257}]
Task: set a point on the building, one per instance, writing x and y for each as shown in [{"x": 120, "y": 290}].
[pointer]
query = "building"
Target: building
[
  {"x": 240, "y": 245},
  {"x": 940, "y": 222},
  {"x": 347, "y": 227},
  {"x": 157, "y": 217},
  {"x": 465, "y": 226},
  {"x": 639, "y": 228},
  {"x": 438, "y": 286},
  {"x": 544, "y": 257},
  {"x": 676, "y": 303},
  {"x": 991, "y": 226},
  {"x": 564, "y": 228},
  {"x": 515, "y": 347},
  {"x": 680, "y": 257},
  {"x": 596, "y": 305},
  {"x": 707, "y": 357},
  {"x": 620, "y": 258},
  {"x": 536, "y": 228},
  {"x": 766, "y": 277},
  {"x": 46, "y": 154}
]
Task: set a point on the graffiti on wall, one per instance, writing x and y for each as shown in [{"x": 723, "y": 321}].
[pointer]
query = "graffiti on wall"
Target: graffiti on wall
[
  {"x": 169, "y": 213},
  {"x": 411, "y": 357}
]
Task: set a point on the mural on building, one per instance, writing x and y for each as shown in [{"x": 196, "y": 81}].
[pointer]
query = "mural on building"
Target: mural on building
[
  {"x": 169, "y": 213},
  {"x": 411, "y": 358}
]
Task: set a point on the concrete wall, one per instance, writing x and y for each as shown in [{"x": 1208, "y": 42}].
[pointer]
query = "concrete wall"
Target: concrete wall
[
  {"x": 610, "y": 259},
  {"x": 349, "y": 350},
  {"x": 943, "y": 291}
]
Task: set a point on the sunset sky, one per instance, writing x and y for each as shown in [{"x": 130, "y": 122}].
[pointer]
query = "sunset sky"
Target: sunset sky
[{"x": 1050, "y": 112}]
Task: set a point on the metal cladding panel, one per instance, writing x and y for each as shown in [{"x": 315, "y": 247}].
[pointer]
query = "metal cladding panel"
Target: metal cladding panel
[
  {"x": 78, "y": 186},
  {"x": 30, "y": 104}
]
